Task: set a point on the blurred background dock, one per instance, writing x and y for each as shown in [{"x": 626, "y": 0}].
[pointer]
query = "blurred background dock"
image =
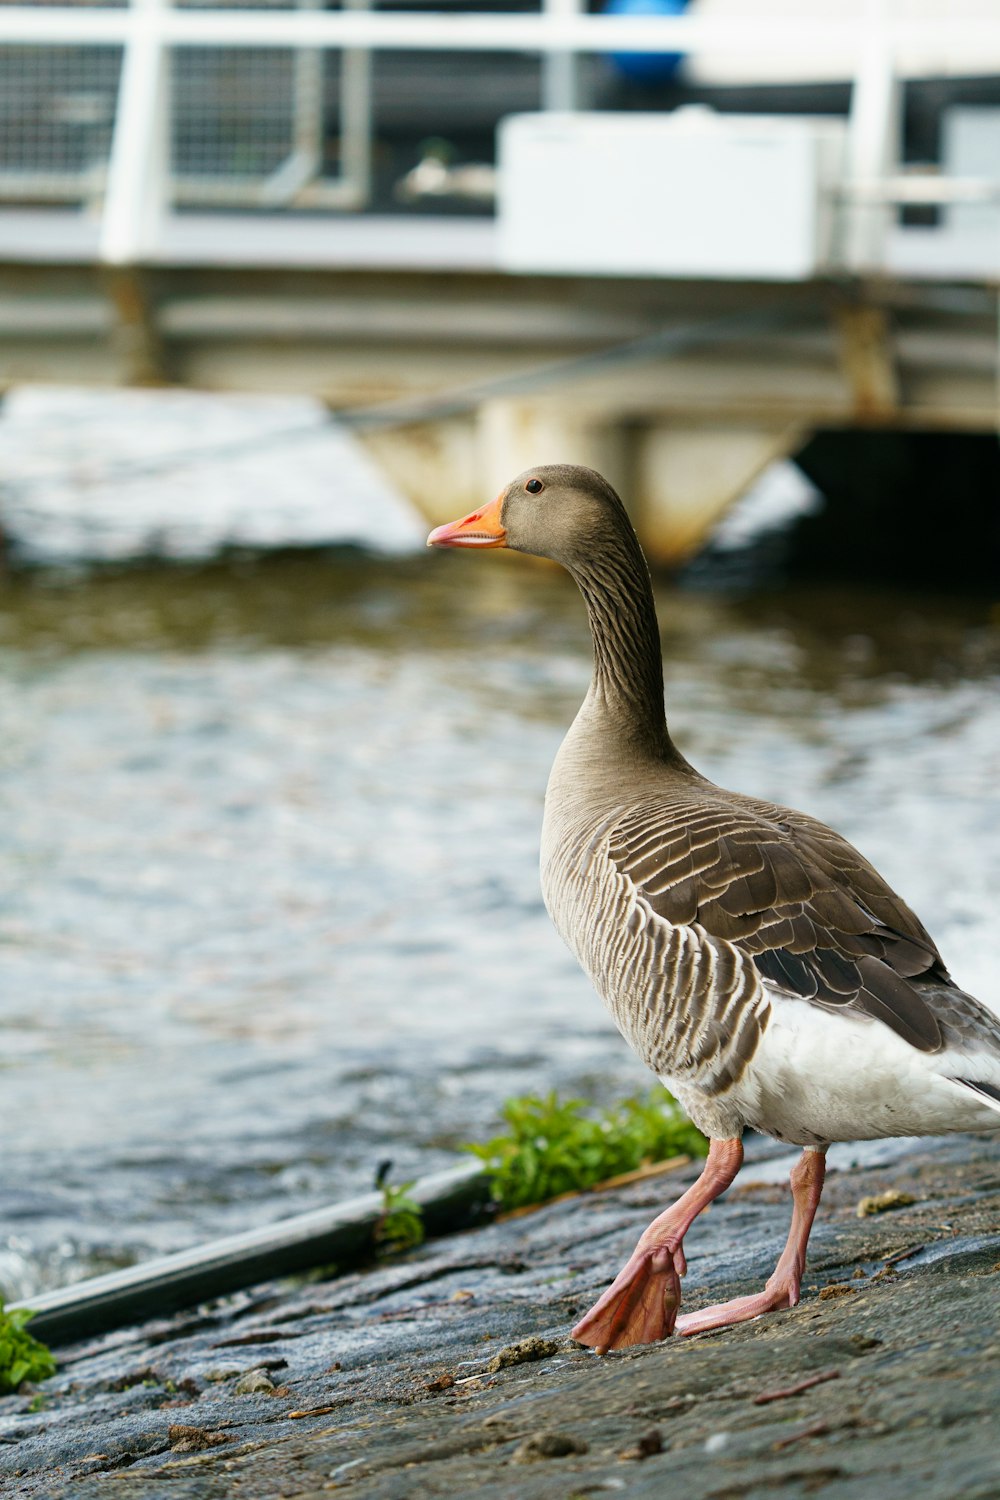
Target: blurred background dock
[{"x": 673, "y": 242}]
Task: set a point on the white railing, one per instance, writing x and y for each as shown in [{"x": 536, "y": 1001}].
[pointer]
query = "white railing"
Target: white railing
[{"x": 154, "y": 35}]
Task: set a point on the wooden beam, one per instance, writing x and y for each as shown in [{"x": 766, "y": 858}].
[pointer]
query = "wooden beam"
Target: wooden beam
[
  {"x": 868, "y": 362},
  {"x": 135, "y": 334}
]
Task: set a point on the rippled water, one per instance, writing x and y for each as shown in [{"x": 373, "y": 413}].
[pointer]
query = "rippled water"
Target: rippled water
[{"x": 268, "y": 850}]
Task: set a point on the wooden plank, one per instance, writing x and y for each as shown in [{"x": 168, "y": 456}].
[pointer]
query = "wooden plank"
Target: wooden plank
[{"x": 866, "y": 356}]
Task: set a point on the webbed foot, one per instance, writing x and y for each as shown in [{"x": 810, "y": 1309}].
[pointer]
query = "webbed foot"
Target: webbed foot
[
  {"x": 640, "y": 1306},
  {"x": 740, "y": 1310}
]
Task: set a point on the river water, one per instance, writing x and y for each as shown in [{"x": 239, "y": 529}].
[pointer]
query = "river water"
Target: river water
[{"x": 268, "y": 858}]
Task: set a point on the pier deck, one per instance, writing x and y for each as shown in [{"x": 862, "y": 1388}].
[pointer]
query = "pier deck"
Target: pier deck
[{"x": 380, "y": 1384}]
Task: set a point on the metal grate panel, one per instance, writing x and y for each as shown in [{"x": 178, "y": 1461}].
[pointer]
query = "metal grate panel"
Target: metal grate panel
[
  {"x": 232, "y": 111},
  {"x": 57, "y": 107}
]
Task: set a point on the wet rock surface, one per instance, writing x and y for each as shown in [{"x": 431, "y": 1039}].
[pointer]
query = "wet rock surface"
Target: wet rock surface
[{"x": 387, "y": 1383}]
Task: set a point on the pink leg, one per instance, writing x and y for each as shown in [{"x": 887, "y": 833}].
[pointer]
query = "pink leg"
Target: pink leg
[
  {"x": 782, "y": 1288},
  {"x": 640, "y": 1306}
]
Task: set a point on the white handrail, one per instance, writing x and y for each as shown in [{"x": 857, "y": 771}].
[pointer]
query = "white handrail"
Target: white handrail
[{"x": 460, "y": 32}]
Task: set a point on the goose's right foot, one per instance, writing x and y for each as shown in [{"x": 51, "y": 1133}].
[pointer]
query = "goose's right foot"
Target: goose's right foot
[{"x": 640, "y": 1306}]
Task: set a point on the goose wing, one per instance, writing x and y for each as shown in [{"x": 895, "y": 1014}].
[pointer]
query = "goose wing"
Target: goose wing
[{"x": 814, "y": 917}]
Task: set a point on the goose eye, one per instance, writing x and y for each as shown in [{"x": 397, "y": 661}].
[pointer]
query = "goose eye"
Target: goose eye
[{"x": 534, "y": 486}]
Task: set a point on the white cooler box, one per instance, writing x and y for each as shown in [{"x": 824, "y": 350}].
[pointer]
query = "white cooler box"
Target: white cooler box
[{"x": 692, "y": 193}]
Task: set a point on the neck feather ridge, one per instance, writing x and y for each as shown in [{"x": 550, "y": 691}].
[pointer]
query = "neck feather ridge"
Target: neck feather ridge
[{"x": 628, "y": 662}]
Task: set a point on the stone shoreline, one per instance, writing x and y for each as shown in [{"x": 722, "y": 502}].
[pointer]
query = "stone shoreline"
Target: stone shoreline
[{"x": 448, "y": 1371}]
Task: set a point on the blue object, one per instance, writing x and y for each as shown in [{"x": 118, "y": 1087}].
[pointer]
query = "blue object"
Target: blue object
[{"x": 645, "y": 67}]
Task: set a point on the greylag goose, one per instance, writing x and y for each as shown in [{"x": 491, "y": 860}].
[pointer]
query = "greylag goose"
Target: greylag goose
[{"x": 755, "y": 961}]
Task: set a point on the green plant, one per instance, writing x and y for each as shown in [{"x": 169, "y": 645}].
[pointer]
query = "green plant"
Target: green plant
[
  {"x": 401, "y": 1226},
  {"x": 22, "y": 1357},
  {"x": 554, "y": 1147}
]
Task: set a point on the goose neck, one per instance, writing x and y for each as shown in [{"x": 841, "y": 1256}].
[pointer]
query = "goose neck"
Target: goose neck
[{"x": 627, "y": 685}]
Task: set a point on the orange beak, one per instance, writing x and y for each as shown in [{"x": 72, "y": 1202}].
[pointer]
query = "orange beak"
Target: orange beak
[{"x": 480, "y": 528}]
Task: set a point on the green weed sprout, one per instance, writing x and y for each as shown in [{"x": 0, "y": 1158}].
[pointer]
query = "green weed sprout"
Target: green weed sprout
[
  {"x": 401, "y": 1226},
  {"x": 22, "y": 1357},
  {"x": 553, "y": 1147}
]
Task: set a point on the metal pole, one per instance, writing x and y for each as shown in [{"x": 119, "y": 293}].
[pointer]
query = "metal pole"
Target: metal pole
[
  {"x": 561, "y": 70},
  {"x": 307, "y": 132},
  {"x": 873, "y": 141},
  {"x": 304, "y": 162},
  {"x": 356, "y": 117},
  {"x": 343, "y": 1234},
  {"x": 138, "y": 169}
]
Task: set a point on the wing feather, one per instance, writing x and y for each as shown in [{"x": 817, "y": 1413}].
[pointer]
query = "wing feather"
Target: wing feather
[{"x": 812, "y": 914}]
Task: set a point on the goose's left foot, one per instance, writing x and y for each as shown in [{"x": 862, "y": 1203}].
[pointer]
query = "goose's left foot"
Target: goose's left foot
[
  {"x": 782, "y": 1288},
  {"x": 640, "y": 1306}
]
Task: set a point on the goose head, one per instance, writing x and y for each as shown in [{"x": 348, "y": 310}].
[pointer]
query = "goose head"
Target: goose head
[{"x": 560, "y": 511}]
